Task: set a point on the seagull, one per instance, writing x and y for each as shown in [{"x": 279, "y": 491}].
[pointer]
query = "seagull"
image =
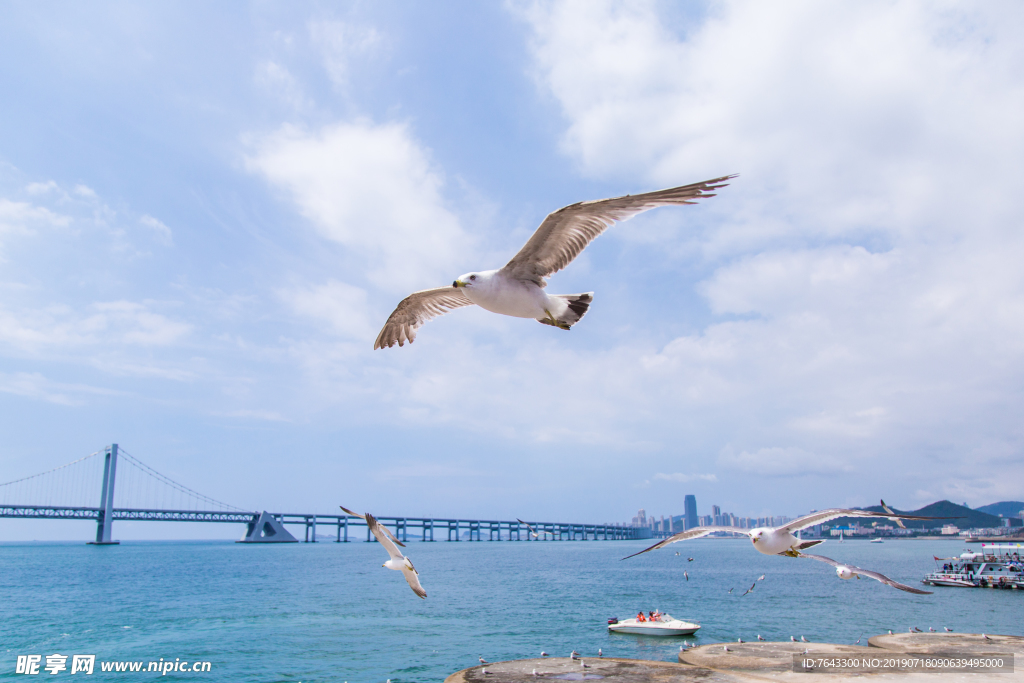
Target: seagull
[
  {"x": 858, "y": 642},
  {"x": 398, "y": 561},
  {"x": 533, "y": 532},
  {"x": 584, "y": 665},
  {"x": 689, "y": 559},
  {"x": 739, "y": 640},
  {"x": 543, "y": 654},
  {"x": 898, "y": 521},
  {"x": 948, "y": 629},
  {"x": 793, "y": 638},
  {"x": 931, "y": 630},
  {"x": 725, "y": 647},
  {"x": 849, "y": 571},
  {"x": 759, "y": 637},
  {"x": 985, "y": 637},
  {"x": 686, "y": 575},
  {"x": 483, "y": 671},
  {"x": 517, "y": 289},
  {"x": 731, "y": 590},
  {"x": 775, "y": 540},
  {"x": 483, "y": 661},
  {"x": 574, "y": 654},
  {"x": 804, "y": 640},
  {"x": 761, "y": 578},
  {"x": 751, "y": 589},
  {"x": 599, "y": 653},
  {"x": 890, "y": 632},
  {"x": 534, "y": 673},
  {"x": 381, "y": 526}
]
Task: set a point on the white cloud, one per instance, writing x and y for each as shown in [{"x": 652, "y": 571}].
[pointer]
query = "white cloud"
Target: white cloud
[
  {"x": 782, "y": 462},
  {"x": 341, "y": 305},
  {"x": 340, "y": 43},
  {"x": 682, "y": 478},
  {"x": 864, "y": 292},
  {"x": 371, "y": 188},
  {"x": 106, "y": 323},
  {"x": 162, "y": 232},
  {"x": 279, "y": 81},
  {"x": 35, "y": 386}
]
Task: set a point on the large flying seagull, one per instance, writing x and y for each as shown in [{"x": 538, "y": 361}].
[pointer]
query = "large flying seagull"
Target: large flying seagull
[{"x": 518, "y": 288}]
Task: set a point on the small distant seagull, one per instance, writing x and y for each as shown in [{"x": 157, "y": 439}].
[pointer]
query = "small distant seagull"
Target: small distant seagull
[
  {"x": 545, "y": 654},
  {"x": 948, "y": 629},
  {"x": 751, "y": 589},
  {"x": 849, "y": 571},
  {"x": 686, "y": 575},
  {"x": 858, "y": 642},
  {"x": 804, "y": 640},
  {"x": 759, "y": 637},
  {"x": 483, "y": 661},
  {"x": 398, "y": 561},
  {"x": 534, "y": 673},
  {"x": 574, "y": 654},
  {"x": 890, "y": 632},
  {"x": 985, "y": 637},
  {"x": 899, "y": 522},
  {"x": 806, "y": 651},
  {"x": 777, "y": 540},
  {"x": 533, "y": 532},
  {"x": 677, "y": 553},
  {"x": 689, "y": 559},
  {"x": 518, "y": 288},
  {"x": 726, "y": 648},
  {"x": 584, "y": 665},
  {"x": 483, "y": 671},
  {"x": 793, "y": 638},
  {"x": 931, "y": 630},
  {"x": 761, "y": 578},
  {"x": 599, "y": 653},
  {"x": 739, "y": 640},
  {"x": 731, "y": 590},
  {"x": 917, "y": 630}
]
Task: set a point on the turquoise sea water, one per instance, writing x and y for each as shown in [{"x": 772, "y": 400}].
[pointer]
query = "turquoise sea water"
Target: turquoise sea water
[{"x": 330, "y": 612}]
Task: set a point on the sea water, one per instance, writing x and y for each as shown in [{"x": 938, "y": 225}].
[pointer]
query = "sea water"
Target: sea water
[{"x": 330, "y": 612}]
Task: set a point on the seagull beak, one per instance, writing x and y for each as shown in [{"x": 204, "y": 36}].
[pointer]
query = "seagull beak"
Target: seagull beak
[{"x": 458, "y": 283}]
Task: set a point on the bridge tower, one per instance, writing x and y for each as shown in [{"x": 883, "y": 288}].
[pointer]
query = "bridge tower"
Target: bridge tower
[{"x": 106, "y": 517}]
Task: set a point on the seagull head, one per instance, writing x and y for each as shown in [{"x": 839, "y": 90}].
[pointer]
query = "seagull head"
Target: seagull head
[
  {"x": 756, "y": 535},
  {"x": 844, "y": 572},
  {"x": 467, "y": 280}
]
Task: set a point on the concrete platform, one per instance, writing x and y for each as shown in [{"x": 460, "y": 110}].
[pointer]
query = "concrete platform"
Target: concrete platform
[
  {"x": 931, "y": 643},
  {"x": 608, "y": 669},
  {"x": 761, "y": 656}
]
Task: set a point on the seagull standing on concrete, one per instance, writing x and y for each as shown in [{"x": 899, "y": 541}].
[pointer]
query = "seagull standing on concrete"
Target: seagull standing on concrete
[
  {"x": 517, "y": 289},
  {"x": 775, "y": 540},
  {"x": 759, "y": 637},
  {"x": 398, "y": 561}
]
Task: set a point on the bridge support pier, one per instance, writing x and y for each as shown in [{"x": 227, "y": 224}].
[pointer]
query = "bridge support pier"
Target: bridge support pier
[{"x": 106, "y": 515}]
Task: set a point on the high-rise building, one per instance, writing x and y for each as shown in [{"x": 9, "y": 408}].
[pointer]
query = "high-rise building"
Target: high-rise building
[{"x": 690, "y": 512}]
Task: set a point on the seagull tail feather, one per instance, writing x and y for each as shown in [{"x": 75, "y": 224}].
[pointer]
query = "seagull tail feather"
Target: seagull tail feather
[{"x": 576, "y": 307}]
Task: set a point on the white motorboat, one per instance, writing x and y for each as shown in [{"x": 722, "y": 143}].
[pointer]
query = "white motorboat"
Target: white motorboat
[
  {"x": 875, "y": 540},
  {"x": 664, "y": 625}
]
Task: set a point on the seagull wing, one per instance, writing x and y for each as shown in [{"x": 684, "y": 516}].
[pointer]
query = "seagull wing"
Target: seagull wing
[
  {"x": 566, "y": 232},
  {"x": 751, "y": 589},
  {"x": 363, "y": 517},
  {"x": 898, "y": 521},
  {"x": 412, "y": 577},
  {"x": 868, "y": 573},
  {"x": 534, "y": 531},
  {"x": 416, "y": 309},
  {"x": 383, "y": 537},
  {"x": 836, "y": 513},
  {"x": 696, "y": 532}
]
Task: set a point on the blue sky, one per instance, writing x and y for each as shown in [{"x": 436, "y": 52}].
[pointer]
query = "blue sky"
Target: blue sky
[{"x": 208, "y": 211}]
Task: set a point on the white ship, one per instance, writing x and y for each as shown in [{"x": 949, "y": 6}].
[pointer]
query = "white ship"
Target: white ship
[{"x": 994, "y": 566}]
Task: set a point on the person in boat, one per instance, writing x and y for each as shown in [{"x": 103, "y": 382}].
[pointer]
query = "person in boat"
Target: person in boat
[
  {"x": 640, "y": 616},
  {"x": 656, "y": 616},
  {"x": 651, "y": 617}
]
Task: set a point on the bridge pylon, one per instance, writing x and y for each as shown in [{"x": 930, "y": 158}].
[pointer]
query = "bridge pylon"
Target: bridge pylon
[{"x": 105, "y": 520}]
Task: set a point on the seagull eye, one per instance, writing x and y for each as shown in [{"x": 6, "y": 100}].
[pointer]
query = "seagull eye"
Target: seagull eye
[{"x": 472, "y": 277}]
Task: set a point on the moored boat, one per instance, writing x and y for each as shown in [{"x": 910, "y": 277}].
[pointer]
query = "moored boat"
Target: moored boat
[
  {"x": 995, "y": 566},
  {"x": 663, "y": 625}
]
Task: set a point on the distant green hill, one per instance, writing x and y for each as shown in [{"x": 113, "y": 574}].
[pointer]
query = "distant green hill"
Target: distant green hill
[
  {"x": 965, "y": 517},
  {"x": 1008, "y": 508}
]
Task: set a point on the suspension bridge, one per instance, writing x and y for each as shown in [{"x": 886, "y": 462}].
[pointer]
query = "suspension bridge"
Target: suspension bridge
[{"x": 131, "y": 490}]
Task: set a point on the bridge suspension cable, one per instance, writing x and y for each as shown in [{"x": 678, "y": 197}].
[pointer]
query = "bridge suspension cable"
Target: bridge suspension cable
[
  {"x": 139, "y": 486},
  {"x": 74, "y": 484}
]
